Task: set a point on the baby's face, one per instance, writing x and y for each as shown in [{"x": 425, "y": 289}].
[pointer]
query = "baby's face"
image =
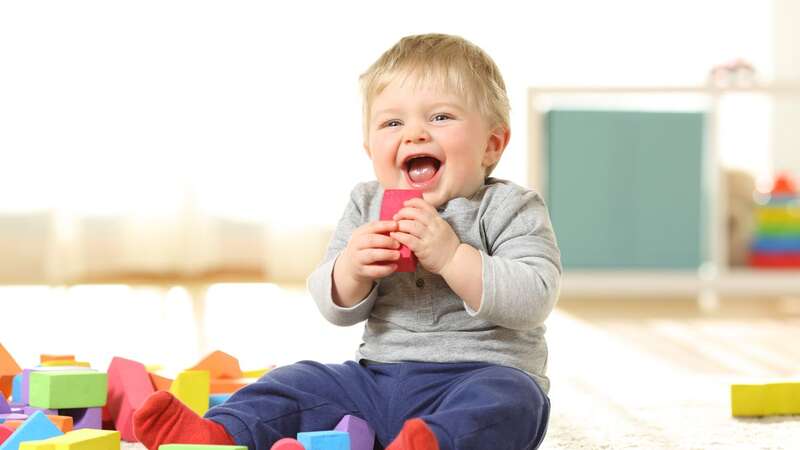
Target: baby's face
[{"x": 426, "y": 139}]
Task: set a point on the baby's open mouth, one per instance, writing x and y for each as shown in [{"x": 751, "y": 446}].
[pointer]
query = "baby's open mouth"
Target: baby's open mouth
[{"x": 422, "y": 168}]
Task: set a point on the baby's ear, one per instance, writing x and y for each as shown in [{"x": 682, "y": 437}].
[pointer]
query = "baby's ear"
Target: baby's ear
[{"x": 495, "y": 145}]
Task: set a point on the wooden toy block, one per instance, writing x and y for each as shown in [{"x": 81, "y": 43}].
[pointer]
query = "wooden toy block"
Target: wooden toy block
[
  {"x": 287, "y": 444},
  {"x": 5, "y": 432},
  {"x": 129, "y": 386},
  {"x": 16, "y": 389},
  {"x": 24, "y": 386},
  {"x": 227, "y": 386},
  {"x": 160, "y": 383},
  {"x": 200, "y": 447},
  {"x": 45, "y": 358},
  {"x": 86, "y": 439},
  {"x": 770, "y": 399},
  {"x": 63, "y": 423},
  {"x": 67, "y": 389},
  {"x": 8, "y": 369},
  {"x": 217, "y": 399},
  {"x": 324, "y": 440},
  {"x": 362, "y": 436},
  {"x": 256, "y": 373},
  {"x": 84, "y": 417},
  {"x": 37, "y": 427},
  {"x": 192, "y": 387},
  {"x": 392, "y": 202},
  {"x": 220, "y": 365}
]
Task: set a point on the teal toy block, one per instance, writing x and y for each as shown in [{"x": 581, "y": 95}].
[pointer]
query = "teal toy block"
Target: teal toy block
[
  {"x": 200, "y": 447},
  {"x": 325, "y": 440},
  {"x": 217, "y": 399},
  {"x": 68, "y": 389},
  {"x": 37, "y": 427}
]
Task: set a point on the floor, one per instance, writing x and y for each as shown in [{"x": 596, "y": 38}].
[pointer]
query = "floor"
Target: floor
[{"x": 626, "y": 374}]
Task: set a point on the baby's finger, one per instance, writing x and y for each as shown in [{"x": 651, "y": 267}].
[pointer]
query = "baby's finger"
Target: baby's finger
[
  {"x": 412, "y": 213},
  {"x": 373, "y": 255},
  {"x": 376, "y": 241},
  {"x": 420, "y": 204},
  {"x": 380, "y": 227},
  {"x": 413, "y": 227},
  {"x": 376, "y": 271},
  {"x": 408, "y": 240}
]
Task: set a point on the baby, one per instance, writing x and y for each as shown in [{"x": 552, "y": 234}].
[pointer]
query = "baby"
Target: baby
[{"x": 453, "y": 354}]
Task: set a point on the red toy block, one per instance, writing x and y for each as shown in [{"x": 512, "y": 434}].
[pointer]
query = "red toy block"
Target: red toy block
[
  {"x": 160, "y": 383},
  {"x": 128, "y": 387},
  {"x": 287, "y": 444},
  {"x": 5, "y": 432},
  {"x": 783, "y": 186},
  {"x": 392, "y": 202}
]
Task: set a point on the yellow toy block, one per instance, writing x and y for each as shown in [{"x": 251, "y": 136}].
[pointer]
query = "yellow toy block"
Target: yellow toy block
[
  {"x": 193, "y": 387},
  {"x": 63, "y": 362},
  {"x": 258, "y": 373},
  {"x": 46, "y": 357},
  {"x": 83, "y": 439},
  {"x": 769, "y": 399}
]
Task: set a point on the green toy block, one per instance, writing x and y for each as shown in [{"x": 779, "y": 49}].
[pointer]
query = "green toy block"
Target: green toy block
[
  {"x": 200, "y": 447},
  {"x": 67, "y": 389}
]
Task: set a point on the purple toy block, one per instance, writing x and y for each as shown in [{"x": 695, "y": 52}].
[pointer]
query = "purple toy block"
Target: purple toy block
[
  {"x": 4, "y": 407},
  {"x": 29, "y": 410},
  {"x": 17, "y": 407},
  {"x": 12, "y": 416},
  {"x": 25, "y": 385},
  {"x": 84, "y": 417},
  {"x": 362, "y": 437}
]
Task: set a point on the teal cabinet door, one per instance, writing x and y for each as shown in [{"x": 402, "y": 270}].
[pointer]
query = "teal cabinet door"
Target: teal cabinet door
[{"x": 625, "y": 188}]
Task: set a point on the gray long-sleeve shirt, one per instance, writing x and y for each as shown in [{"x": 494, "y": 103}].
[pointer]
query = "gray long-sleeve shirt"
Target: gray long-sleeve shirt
[{"x": 417, "y": 317}]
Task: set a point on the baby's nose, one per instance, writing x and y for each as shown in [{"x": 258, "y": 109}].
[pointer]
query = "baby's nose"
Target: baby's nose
[{"x": 417, "y": 136}]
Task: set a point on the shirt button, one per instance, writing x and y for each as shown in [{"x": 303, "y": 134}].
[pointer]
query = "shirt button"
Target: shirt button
[{"x": 420, "y": 283}]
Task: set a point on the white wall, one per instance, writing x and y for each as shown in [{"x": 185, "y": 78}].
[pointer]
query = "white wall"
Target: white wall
[{"x": 786, "y": 149}]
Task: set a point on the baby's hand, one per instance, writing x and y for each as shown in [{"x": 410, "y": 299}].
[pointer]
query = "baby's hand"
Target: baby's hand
[
  {"x": 366, "y": 256},
  {"x": 429, "y": 236}
]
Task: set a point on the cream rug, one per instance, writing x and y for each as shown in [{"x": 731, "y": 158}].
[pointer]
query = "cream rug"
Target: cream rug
[{"x": 656, "y": 375}]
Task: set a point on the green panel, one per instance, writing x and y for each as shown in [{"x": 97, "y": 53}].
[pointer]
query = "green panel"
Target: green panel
[
  {"x": 625, "y": 188},
  {"x": 67, "y": 389}
]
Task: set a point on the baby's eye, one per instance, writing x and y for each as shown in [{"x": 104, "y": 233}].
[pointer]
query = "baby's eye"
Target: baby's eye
[
  {"x": 441, "y": 116},
  {"x": 391, "y": 123}
]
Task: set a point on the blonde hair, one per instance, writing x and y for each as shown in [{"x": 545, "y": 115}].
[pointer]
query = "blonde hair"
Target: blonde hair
[{"x": 449, "y": 62}]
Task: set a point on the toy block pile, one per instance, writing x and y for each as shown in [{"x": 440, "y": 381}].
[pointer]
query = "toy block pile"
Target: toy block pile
[
  {"x": 64, "y": 404},
  {"x": 777, "y": 241}
]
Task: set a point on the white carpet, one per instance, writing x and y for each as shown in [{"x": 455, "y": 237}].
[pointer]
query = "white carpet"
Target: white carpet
[{"x": 652, "y": 375}]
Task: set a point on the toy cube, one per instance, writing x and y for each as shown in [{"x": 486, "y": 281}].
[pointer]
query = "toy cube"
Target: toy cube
[
  {"x": 324, "y": 440},
  {"x": 67, "y": 389}
]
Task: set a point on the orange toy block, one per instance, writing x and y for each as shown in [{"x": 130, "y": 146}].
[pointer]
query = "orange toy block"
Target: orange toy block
[
  {"x": 160, "y": 383},
  {"x": 45, "y": 358},
  {"x": 63, "y": 423},
  {"x": 128, "y": 387},
  {"x": 8, "y": 369},
  {"x": 220, "y": 365},
  {"x": 227, "y": 386}
]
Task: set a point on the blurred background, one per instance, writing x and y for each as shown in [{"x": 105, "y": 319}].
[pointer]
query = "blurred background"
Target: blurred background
[{"x": 171, "y": 171}]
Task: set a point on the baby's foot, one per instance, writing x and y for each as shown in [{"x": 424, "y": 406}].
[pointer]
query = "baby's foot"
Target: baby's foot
[
  {"x": 415, "y": 435},
  {"x": 163, "y": 419}
]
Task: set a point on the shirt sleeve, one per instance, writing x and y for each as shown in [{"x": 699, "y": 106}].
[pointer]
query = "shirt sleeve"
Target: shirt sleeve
[
  {"x": 320, "y": 282},
  {"x": 522, "y": 269}
]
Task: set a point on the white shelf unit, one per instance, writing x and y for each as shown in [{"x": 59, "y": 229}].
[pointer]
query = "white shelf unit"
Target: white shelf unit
[{"x": 714, "y": 278}]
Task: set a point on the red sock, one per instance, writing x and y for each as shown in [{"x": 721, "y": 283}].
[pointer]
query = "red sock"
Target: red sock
[
  {"x": 415, "y": 435},
  {"x": 163, "y": 419}
]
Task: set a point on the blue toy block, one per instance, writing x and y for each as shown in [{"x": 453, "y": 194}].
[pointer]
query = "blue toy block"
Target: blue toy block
[
  {"x": 37, "y": 427},
  {"x": 16, "y": 389},
  {"x": 324, "y": 440},
  {"x": 217, "y": 399}
]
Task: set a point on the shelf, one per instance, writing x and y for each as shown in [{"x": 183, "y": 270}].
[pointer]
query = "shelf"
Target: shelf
[
  {"x": 652, "y": 284},
  {"x": 771, "y": 88}
]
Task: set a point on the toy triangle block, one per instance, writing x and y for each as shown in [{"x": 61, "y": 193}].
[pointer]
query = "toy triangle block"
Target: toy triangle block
[
  {"x": 35, "y": 428},
  {"x": 362, "y": 437},
  {"x": 220, "y": 365},
  {"x": 392, "y": 202},
  {"x": 5, "y": 432},
  {"x": 783, "y": 186},
  {"x": 128, "y": 387},
  {"x": 8, "y": 369},
  {"x": 86, "y": 439}
]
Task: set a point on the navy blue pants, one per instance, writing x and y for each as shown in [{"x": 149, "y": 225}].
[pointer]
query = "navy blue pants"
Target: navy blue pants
[{"x": 469, "y": 406}]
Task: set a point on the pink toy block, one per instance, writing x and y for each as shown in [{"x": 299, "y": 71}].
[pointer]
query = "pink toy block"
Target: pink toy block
[
  {"x": 392, "y": 202},
  {"x": 362, "y": 437},
  {"x": 128, "y": 387},
  {"x": 287, "y": 444},
  {"x": 84, "y": 417},
  {"x": 5, "y": 432}
]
